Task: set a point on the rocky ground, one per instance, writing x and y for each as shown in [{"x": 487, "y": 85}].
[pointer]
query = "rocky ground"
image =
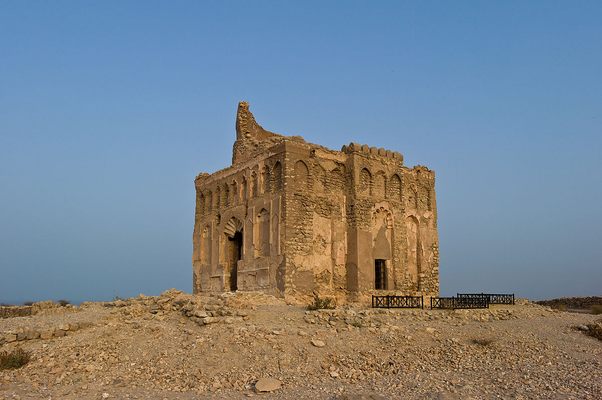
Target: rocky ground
[
  {"x": 573, "y": 303},
  {"x": 178, "y": 346}
]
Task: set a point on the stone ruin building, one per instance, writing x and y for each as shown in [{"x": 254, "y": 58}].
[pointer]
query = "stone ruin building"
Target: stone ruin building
[{"x": 294, "y": 218}]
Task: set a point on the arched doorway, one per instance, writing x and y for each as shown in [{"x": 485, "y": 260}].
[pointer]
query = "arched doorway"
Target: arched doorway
[
  {"x": 233, "y": 252},
  {"x": 234, "y": 256}
]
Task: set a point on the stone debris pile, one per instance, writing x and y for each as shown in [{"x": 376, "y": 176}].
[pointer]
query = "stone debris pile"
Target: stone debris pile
[
  {"x": 61, "y": 330},
  {"x": 179, "y": 346},
  {"x": 203, "y": 310}
]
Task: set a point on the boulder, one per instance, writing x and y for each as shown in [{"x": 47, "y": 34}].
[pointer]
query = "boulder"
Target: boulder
[
  {"x": 267, "y": 385},
  {"x": 10, "y": 337},
  {"x": 46, "y": 334}
]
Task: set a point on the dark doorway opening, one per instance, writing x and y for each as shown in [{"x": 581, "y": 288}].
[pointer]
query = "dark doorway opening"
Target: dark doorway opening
[
  {"x": 235, "y": 256},
  {"x": 380, "y": 275}
]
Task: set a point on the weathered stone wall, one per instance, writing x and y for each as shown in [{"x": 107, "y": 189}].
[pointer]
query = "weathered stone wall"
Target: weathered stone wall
[
  {"x": 302, "y": 218},
  {"x": 315, "y": 222},
  {"x": 421, "y": 241},
  {"x": 15, "y": 311},
  {"x": 244, "y": 200}
]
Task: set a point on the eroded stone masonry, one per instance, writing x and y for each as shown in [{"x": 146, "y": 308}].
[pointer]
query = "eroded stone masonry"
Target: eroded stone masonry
[{"x": 292, "y": 218}]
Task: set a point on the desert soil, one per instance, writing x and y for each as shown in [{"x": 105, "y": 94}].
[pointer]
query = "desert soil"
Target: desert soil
[{"x": 178, "y": 346}]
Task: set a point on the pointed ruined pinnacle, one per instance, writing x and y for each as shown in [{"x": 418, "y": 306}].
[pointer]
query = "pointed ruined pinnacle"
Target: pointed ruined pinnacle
[{"x": 246, "y": 126}]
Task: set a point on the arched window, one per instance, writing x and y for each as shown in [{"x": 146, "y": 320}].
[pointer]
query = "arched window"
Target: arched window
[
  {"x": 365, "y": 182},
  {"x": 379, "y": 185},
  {"x": 206, "y": 246},
  {"x": 234, "y": 193},
  {"x": 413, "y": 248},
  {"x": 394, "y": 189},
  {"x": 412, "y": 199},
  {"x": 336, "y": 179},
  {"x": 208, "y": 202},
  {"x": 277, "y": 177},
  {"x": 320, "y": 179},
  {"x": 263, "y": 233},
  {"x": 226, "y": 196},
  {"x": 201, "y": 204},
  {"x": 244, "y": 189},
  {"x": 267, "y": 180},
  {"x": 301, "y": 175},
  {"x": 254, "y": 185}
]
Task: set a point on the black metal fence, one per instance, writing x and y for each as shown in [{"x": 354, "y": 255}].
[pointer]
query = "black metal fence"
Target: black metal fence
[
  {"x": 397, "y": 301},
  {"x": 461, "y": 301},
  {"x": 443, "y": 302},
  {"x": 493, "y": 298},
  {"x": 453, "y": 303}
]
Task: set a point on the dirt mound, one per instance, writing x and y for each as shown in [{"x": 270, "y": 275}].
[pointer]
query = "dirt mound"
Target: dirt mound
[{"x": 180, "y": 346}]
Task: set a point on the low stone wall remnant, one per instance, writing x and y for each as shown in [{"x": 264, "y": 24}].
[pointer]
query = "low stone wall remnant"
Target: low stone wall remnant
[{"x": 15, "y": 311}]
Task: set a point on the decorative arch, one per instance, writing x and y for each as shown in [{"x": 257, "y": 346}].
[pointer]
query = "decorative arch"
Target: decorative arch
[
  {"x": 201, "y": 203},
  {"x": 394, "y": 189},
  {"x": 232, "y": 226},
  {"x": 379, "y": 185},
  {"x": 277, "y": 183},
  {"x": 301, "y": 175},
  {"x": 234, "y": 193},
  {"x": 319, "y": 179},
  {"x": 263, "y": 233},
  {"x": 218, "y": 198},
  {"x": 413, "y": 248},
  {"x": 226, "y": 196},
  {"x": 336, "y": 181},
  {"x": 382, "y": 232},
  {"x": 253, "y": 185},
  {"x": 244, "y": 189},
  {"x": 267, "y": 179},
  {"x": 365, "y": 181},
  {"x": 206, "y": 245},
  {"x": 412, "y": 199},
  {"x": 233, "y": 251},
  {"x": 209, "y": 199},
  {"x": 382, "y": 214}
]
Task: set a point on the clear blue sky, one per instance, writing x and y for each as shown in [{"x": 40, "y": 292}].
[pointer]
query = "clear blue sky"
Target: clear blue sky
[{"x": 109, "y": 109}]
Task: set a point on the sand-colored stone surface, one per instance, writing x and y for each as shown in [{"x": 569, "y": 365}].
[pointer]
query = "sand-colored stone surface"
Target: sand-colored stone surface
[
  {"x": 179, "y": 346},
  {"x": 290, "y": 217}
]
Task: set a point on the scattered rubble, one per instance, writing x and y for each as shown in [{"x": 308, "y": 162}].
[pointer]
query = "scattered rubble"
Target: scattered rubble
[{"x": 179, "y": 346}]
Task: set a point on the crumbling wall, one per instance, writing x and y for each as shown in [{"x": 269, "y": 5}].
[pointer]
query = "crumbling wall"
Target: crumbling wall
[
  {"x": 313, "y": 219},
  {"x": 244, "y": 198},
  {"x": 421, "y": 258},
  {"x": 15, "y": 311}
]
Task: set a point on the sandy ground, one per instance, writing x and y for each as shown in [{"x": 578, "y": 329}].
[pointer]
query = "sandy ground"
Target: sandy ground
[{"x": 177, "y": 346}]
